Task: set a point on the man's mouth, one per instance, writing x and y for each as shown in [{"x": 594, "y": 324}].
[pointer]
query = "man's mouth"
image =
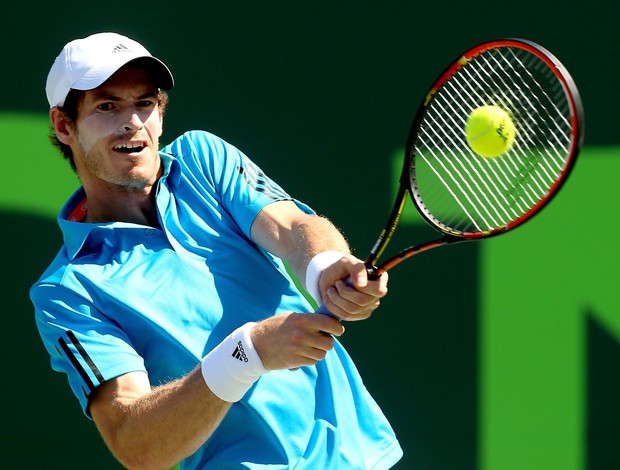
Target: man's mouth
[{"x": 129, "y": 147}]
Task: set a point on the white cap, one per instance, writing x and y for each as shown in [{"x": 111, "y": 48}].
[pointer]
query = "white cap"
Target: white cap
[{"x": 85, "y": 64}]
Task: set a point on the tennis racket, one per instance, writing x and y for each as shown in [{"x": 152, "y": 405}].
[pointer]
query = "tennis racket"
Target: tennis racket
[{"x": 468, "y": 197}]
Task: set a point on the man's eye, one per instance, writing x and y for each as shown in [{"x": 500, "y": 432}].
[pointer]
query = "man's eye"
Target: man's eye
[
  {"x": 145, "y": 104},
  {"x": 105, "y": 107}
]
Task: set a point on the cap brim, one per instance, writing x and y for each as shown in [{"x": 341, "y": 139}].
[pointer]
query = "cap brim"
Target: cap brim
[{"x": 157, "y": 70}]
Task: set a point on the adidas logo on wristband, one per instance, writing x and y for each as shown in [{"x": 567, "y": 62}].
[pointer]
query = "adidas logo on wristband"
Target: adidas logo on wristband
[
  {"x": 230, "y": 380},
  {"x": 239, "y": 353}
]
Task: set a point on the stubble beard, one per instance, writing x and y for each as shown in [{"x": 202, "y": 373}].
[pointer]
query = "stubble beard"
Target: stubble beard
[{"x": 129, "y": 181}]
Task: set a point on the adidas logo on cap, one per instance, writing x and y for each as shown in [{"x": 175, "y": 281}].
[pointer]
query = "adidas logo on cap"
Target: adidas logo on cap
[{"x": 120, "y": 48}]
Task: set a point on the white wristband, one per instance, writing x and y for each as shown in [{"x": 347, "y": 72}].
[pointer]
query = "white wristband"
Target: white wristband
[
  {"x": 233, "y": 366},
  {"x": 315, "y": 268}
]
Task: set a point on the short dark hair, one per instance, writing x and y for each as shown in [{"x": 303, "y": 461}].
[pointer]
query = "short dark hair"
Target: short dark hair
[{"x": 70, "y": 110}]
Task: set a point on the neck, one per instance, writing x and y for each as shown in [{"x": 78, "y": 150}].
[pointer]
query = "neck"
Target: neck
[{"x": 123, "y": 205}]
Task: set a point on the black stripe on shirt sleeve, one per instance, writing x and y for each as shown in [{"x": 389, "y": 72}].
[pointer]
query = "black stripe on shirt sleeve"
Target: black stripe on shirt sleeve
[
  {"x": 74, "y": 361},
  {"x": 259, "y": 181}
]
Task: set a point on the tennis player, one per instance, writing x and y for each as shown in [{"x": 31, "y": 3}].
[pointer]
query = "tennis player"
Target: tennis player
[{"x": 169, "y": 307}]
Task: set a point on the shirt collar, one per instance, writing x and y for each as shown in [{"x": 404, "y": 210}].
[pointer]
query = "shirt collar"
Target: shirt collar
[
  {"x": 172, "y": 171},
  {"x": 76, "y": 233}
]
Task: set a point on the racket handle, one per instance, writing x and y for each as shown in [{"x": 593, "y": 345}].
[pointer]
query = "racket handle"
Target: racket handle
[
  {"x": 373, "y": 273},
  {"x": 323, "y": 311}
]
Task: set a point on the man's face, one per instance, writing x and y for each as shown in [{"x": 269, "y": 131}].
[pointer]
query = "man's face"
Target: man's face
[{"x": 116, "y": 135}]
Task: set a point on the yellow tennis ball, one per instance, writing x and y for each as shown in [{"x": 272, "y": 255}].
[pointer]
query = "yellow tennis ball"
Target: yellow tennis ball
[{"x": 490, "y": 131}]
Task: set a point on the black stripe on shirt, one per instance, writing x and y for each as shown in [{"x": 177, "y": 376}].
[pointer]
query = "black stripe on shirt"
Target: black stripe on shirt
[
  {"x": 74, "y": 361},
  {"x": 259, "y": 181},
  {"x": 76, "y": 364}
]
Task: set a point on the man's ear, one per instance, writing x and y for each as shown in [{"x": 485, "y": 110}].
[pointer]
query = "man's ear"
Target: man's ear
[{"x": 63, "y": 127}]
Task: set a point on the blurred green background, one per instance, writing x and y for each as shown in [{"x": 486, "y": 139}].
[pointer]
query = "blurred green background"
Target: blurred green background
[{"x": 496, "y": 355}]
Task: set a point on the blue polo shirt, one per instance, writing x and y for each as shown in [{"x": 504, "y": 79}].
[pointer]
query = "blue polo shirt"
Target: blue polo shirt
[{"x": 122, "y": 297}]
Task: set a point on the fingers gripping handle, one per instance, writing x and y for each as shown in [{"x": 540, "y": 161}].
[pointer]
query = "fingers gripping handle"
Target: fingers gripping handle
[
  {"x": 373, "y": 274},
  {"x": 325, "y": 311}
]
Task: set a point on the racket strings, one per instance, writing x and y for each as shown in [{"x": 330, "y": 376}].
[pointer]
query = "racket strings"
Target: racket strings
[
  {"x": 529, "y": 109},
  {"x": 519, "y": 94},
  {"x": 538, "y": 104},
  {"x": 464, "y": 192}
]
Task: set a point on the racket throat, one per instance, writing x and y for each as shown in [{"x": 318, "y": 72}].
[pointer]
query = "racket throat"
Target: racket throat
[{"x": 415, "y": 250}]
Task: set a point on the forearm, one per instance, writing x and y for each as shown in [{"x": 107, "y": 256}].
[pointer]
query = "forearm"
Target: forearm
[
  {"x": 336, "y": 279},
  {"x": 311, "y": 237},
  {"x": 282, "y": 229},
  {"x": 162, "y": 427}
]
